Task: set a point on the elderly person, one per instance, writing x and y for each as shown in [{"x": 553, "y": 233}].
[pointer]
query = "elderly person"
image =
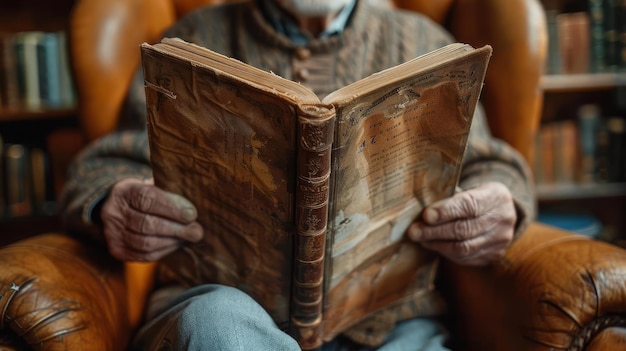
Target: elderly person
[{"x": 110, "y": 195}]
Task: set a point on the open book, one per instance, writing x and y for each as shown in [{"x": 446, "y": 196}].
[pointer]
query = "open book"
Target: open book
[{"x": 305, "y": 202}]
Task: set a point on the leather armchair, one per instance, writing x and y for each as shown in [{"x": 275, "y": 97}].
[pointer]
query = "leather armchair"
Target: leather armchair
[{"x": 553, "y": 291}]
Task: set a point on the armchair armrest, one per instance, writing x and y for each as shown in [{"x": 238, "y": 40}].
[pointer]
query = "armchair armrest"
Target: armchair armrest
[
  {"x": 57, "y": 293},
  {"x": 553, "y": 291}
]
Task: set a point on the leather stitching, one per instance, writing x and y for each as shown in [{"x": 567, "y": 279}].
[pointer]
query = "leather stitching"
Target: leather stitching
[{"x": 5, "y": 300}]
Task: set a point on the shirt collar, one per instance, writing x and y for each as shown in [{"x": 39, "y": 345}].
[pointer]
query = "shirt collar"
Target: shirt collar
[{"x": 287, "y": 27}]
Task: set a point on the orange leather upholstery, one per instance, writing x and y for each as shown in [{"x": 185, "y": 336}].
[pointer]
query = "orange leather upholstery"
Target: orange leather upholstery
[{"x": 553, "y": 291}]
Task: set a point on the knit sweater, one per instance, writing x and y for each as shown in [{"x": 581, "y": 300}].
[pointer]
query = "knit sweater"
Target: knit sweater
[{"x": 374, "y": 39}]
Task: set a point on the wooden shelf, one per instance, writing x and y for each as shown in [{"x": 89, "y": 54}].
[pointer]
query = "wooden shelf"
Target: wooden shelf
[
  {"x": 582, "y": 82},
  {"x": 569, "y": 191},
  {"x": 25, "y": 114}
]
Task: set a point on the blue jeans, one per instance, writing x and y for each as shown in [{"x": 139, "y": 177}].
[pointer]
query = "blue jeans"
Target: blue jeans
[{"x": 216, "y": 317}]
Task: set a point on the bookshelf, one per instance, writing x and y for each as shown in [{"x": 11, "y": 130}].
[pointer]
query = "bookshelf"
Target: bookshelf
[
  {"x": 580, "y": 150},
  {"x": 575, "y": 82},
  {"x": 27, "y": 187}
]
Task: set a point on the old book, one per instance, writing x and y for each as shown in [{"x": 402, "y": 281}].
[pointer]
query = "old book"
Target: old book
[
  {"x": 48, "y": 59},
  {"x": 589, "y": 118},
  {"x": 9, "y": 84},
  {"x": 29, "y": 68},
  {"x": 616, "y": 128},
  {"x": 596, "y": 36},
  {"x": 611, "y": 31},
  {"x": 305, "y": 202},
  {"x": 18, "y": 190},
  {"x": 574, "y": 40},
  {"x": 67, "y": 88}
]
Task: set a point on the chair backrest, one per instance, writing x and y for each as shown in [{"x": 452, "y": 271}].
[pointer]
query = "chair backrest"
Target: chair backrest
[{"x": 105, "y": 36}]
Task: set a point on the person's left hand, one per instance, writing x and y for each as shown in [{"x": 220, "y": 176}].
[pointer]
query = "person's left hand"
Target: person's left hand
[{"x": 473, "y": 227}]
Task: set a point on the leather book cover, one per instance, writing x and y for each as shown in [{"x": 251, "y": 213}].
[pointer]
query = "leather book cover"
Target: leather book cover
[{"x": 305, "y": 202}]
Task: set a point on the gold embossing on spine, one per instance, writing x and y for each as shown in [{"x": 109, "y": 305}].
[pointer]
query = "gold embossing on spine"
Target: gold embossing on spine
[{"x": 315, "y": 137}]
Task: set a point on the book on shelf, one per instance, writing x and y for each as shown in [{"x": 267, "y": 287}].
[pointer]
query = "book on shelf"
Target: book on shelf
[
  {"x": 49, "y": 66},
  {"x": 557, "y": 153},
  {"x": 66, "y": 82},
  {"x": 589, "y": 122},
  {"x": 28, "y": 68},
  {"x": 9, "y": 85},
  {"x": 621, "y": 28},
  {"x": 611, "y": 29},
  {"x": 35, "y": 72},
  {"x": 26, "y": 184},
  {"x": 17, "y": 181},
  {"x": 574, "y": 41},
  {"x": 589, "y": 38},
  {"x": 43, "y": 195},
  {"x": 596, "y": 38},
  {"x": 616, "y": 130},
  {"x": 553, "y": 59},
  {"x": 587, "y": 150},
  {"x": 305, "y": 201}
]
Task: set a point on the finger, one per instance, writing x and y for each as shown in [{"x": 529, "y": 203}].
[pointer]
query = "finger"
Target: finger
[
  {"x": 461, "y": 205},
  {"x": 142, "y": 243},
  {"x": 458, "y": 230},
  {"x": 150, "y": 225},
  {"x": 125, "y": 253},
  {"x": 458, "y": 250},
  {"x": 467, "y": 204},
  {"x": 150, "y": 199}
]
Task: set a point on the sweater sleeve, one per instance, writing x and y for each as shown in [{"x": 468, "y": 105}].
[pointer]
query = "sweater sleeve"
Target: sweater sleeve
[
  {"x": 488, "y": 159},
  {"x": 93, "y": 173}
]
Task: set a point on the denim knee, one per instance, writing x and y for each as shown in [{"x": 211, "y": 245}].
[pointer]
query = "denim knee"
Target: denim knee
[
  {"x": 226, "y": 318},
  {"x": 216, "y": 302}
]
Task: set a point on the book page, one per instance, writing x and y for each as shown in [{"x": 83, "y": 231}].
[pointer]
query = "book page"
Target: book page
[{"x": 397, "y": 149}]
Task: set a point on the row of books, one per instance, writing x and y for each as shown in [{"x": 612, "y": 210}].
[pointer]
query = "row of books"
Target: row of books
[
  {"x": 26, "y": 182},
  {"x": 588, "y": 149},
  {"x": 34, "y": 71},
  {"x": 587, "y": 41}
]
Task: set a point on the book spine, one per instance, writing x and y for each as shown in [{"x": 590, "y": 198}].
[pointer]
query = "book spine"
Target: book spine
[
  {"x": 49, "y": 70},
  {"x": 315, "y": 137},
  {"x": 621, "y": 21},
  {"x": 32, "y": 97},
  {"x": 17, "y": 181},
  {"x": 611, "y": 35},
  {"x": 616, "y": 128},
  {"x": 574, "y": 40},
  {"x": 588, "y": 121},
  {"x": 9, "y": 86},
  {"x": 553, "y": 62},
  {"x": 42, "y": 195},
  {"x": 67, "y": 89},
  {"x": 596, "y": 18},
  {"x": 20, "y": 78}
]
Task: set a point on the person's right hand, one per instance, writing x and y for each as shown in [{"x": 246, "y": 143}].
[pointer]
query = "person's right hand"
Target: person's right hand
[{"x": 144, "y": 223}]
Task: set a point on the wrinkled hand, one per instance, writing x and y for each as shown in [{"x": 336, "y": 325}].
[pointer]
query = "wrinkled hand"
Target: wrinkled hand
[
  {"x": 473, "y": 227},
  {"x": 145, "y": 223}
]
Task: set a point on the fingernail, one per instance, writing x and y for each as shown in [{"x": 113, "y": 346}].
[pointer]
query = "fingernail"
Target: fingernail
[
  {"x": 189, "y": 214},
  {"x": 415, "y": 233},
  {"x": 197, "y": 232},
  {"x": 430, "y": 216}
]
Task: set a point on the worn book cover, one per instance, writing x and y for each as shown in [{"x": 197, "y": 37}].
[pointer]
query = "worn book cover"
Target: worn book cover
[{"x": 305, "y": 202}]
